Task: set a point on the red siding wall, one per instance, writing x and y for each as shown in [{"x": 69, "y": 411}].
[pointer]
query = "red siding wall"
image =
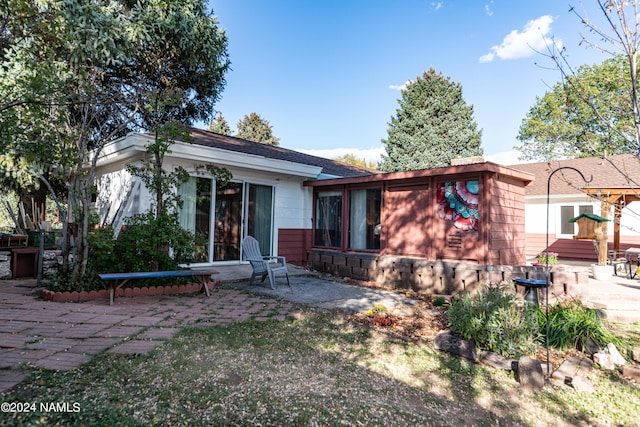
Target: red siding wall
[
  {"x": 506, "y": 223},
  {"x": 419, "y": 217},
  {"x": 407, "y": 219},
  {"x": 294, "y": 244},
  {"x": 569, "y": 249}
]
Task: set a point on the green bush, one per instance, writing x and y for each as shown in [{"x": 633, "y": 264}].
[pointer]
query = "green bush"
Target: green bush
[
  {"x": 493, "y": 320},
  {"x": 571, "y": 325},
  {"x": 146, "y": 244}
]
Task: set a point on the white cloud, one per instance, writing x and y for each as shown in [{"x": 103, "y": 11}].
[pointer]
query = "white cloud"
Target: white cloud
[
  {"x": 487, "y": 8},
  {"x": 521, "y": 44},
  {"x": 487, "y": 57},
  {"x": 370, "y": 155},
  {"x": 400, "y": 87},
  {"x": 436, "y": 5},
  {"x": 505, "y": 158}
]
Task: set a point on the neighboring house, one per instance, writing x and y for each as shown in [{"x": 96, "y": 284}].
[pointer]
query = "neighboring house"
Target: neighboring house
[
  {"x": 266, "y": 197},
  {"x": 615, "y": 177}
]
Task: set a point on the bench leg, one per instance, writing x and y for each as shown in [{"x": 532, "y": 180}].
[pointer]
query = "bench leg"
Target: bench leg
[
  {"x": 114, "y": 287},
  {"x": 204, "y": 281}
]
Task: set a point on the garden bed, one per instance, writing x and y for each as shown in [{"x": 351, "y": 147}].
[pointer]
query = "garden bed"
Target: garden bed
[{"x": 82, "y": 296}]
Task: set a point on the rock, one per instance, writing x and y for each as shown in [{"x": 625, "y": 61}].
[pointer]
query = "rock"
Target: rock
[
  {"x": 631, "y": 372},
  {"x": 570, "y": 369},
  {"x": 529, "y": 374},
  {"x": 447, "y": 341},
  {"x": 635, "y": 354},
  {"x": 603, "y": 358},
  {"x": 616, "y": 357},
  {"x": 591, "y": 346},
  {"x": 496, "y": 361},
  {"x": 5, "y": 269},
  {"x": 582, "y": 385}
]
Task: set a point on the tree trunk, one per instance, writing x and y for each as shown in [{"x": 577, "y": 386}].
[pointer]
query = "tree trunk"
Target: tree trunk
[{"x": 603, "y": 251}]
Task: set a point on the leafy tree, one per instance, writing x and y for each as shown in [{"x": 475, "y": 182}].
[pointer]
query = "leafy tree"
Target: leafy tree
[
  {"x": 617, "y": 36},
  {"x": 30, "y": 86},
  {"x": 255, "y": 128},
  {"x": 81, "y": 74},
  {"x": 351, "y": 159},
  {"x": 220, "y": 125},
  {"x": 433, "y": 125},
  {"x": 565, "y": 123}
]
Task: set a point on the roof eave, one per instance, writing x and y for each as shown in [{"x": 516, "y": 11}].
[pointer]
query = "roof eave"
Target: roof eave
[
  {"x": 525, "y": 177},
  {"x": 136, "y": 144}
]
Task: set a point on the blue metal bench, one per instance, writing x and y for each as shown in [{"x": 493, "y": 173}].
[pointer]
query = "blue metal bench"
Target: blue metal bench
[{"x": 118, "y": 280}]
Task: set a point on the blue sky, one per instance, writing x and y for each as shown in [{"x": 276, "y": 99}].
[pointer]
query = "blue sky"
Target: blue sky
[{"x": 326, "y": 74}]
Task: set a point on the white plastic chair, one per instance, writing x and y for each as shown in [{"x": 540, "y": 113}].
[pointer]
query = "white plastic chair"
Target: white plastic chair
[{"x": 261, "y": 265}]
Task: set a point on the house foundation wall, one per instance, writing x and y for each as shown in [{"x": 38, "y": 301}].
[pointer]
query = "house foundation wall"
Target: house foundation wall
[{"x": 441, "y": 277}]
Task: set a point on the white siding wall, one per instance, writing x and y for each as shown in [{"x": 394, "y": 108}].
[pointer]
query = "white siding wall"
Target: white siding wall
[
  {"x": 112, "y": 190},
  {"x": 292, "y": 201},
  {"x": 536, "y": 216}
]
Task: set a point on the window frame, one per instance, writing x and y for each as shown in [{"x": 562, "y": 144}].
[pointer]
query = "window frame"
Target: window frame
[
  {"x": 340, "y": 228},
  {"x": 577, "y": 210},
  {"x": 348, "y": 235}
]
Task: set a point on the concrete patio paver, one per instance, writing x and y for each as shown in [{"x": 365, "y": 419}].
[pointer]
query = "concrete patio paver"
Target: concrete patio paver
[{"x": 8, "y": 379}]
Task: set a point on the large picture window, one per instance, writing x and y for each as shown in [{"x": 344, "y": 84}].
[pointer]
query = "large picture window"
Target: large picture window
[
  {"x": 328, "y": 219},
  {"x": 364, "y": 219}
]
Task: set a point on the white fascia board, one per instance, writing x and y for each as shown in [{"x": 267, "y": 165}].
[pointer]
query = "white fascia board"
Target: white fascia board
[
  {"x": 134, "y": 144},
  {"x": 220, "y": 157},
  {"x": 123, "y": 148},
  {"x": 560, "y": 198}
]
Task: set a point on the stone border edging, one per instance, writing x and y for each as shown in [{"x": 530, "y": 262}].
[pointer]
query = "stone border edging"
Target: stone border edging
[{"x": 82, "y": 296}]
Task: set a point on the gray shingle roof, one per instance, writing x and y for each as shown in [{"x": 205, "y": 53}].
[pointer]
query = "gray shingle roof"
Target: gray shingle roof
[
  {"x": 230, "y": 143},
  {"x": 619, "y": 171}
]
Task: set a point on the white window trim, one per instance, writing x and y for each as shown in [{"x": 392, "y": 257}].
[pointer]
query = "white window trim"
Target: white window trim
[{"x": 576, "y": 211}]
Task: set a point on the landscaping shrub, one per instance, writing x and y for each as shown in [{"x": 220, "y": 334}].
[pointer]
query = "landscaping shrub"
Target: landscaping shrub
[
  {"x": 146, "y": 244},
  {"x": 571, "y": 325},
  {"x": 493, "y": 320}
]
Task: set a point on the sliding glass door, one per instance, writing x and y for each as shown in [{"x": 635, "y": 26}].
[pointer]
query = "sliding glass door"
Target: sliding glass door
[
  {"x": 259, "y": 215},
  {"x": 231, "y": 212},
  {"x": 195, "y": 215},
  {"x": 228, "y": 222}
]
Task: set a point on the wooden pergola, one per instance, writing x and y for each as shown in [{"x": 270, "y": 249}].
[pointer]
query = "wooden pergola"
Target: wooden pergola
[{"x": 616, "y": 198}]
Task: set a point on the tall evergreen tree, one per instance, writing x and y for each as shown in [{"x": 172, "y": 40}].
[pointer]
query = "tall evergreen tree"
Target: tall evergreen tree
[
  {"x": 433, "y": 125},
  {"x": 255, "y": 128},
  {"x": 220, "y": 125}
]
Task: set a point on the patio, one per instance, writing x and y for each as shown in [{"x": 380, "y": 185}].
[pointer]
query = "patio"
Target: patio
[{"x": 63, "y": 336}]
